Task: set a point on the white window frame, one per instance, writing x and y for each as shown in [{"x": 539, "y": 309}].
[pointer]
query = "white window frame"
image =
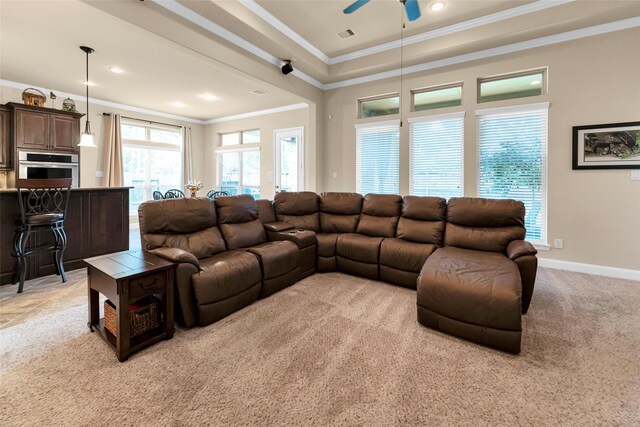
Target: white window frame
[
  {"x": 298, "y": 131},
  {"x": 435, "y": 118},
  {"x": 526, "y": 108},
  {"x": 361, "y": 126},
  {"x": 148, "y": 143}
]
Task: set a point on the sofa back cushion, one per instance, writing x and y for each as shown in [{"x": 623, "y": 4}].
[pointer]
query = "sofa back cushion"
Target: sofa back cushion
[
  {"x": 422, "y": 220},
  {"x": 238, "y": 221},
  {"x": 266, "y": 213},
  {"x": 380, "y": 215},
  {"x": 188, "y": 224},
  {"x": 340, "y": 212},
  {"x": 298, "y": 208},
  {"x": 483, "y": 224}
]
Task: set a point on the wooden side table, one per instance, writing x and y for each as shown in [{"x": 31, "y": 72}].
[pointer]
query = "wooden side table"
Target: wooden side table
[{"x": 124, "y": 278}]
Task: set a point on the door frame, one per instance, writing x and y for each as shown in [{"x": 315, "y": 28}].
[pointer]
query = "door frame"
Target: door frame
[{"x": 298, "y": 131}]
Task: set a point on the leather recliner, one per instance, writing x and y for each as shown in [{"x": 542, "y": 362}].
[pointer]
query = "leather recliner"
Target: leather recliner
[
  {"x": 472, "y": 286},
  {"x": 419, "y": 233},
  {"x": 241, "y": 228},
  {"x": 339, "y": 213},
  {"x": 210, "y": 282},
  {"x": 359, "y": 253}
]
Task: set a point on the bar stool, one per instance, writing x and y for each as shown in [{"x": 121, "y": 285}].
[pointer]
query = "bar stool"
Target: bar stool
[{"x": 43, "y": 206}]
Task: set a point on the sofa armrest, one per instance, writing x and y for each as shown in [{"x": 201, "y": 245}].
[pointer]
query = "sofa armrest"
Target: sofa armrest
[
  {"x": 177, "y": 255},
  {"x": 519, "y": 248},
  {"x": 302, "y": 238},
  {"x": 278, "y": 226}
]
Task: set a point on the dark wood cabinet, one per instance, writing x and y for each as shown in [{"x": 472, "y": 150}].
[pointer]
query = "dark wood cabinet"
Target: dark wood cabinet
[
  {"x": 32, "y": 129},
  {"x": 65, "y": 133},
  {"x": 39, "y": 128},
  {"x": 97, "y": 223},
  {"x": 6, "y": 142}
]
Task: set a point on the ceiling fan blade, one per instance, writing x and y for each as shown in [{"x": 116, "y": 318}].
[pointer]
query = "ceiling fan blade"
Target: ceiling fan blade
[
  {"x": 413, "y": 9},
  {"x": 355, "y": 6}
]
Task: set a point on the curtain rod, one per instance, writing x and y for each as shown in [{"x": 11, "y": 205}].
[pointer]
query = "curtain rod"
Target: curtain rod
[{"x": 142, "y": 120}]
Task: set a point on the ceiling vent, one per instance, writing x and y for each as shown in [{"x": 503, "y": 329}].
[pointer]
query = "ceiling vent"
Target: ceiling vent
[
  {"x": 346, "y": 33},
  {"x": 259, "y": 92}
]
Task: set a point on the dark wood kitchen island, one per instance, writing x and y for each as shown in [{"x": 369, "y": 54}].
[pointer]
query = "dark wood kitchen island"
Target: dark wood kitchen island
[{"x": 97, "y": 223}]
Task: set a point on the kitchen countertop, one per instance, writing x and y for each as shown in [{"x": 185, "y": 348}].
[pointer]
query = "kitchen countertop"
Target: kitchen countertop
[{"x": 13, "y": 190}]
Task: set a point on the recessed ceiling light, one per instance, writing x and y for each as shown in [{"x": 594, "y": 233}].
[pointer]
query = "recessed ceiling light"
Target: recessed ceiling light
[
  {"x": 208, "y": 96},
  {"x": 436, "y": 6},
  {"x": 535, "y": 82},
  {"x": 116, "y": 70},
  {"x": 178, "y": 104},
  {"x": 88, "y": 83},
  {"x": 259, "y": 92}
]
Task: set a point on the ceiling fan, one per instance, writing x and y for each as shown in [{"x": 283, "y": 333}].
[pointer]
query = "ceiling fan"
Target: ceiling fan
[{"x": 411, "y": 7}]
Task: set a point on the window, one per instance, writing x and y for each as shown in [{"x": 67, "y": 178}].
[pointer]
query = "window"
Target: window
[
  {"x": 436, "y": 166},
  {"x": 517, "y": 85},
  {"x": 150, "y": 153},
  {"x": 236, "y": 138},
  {"x": 513, "y": 161},
  {"x": 239, "y": 163},
  {"x": 437, "y": 97},
  {"x": 378, "y": 106},
  {"x": 377, "y": 157}
]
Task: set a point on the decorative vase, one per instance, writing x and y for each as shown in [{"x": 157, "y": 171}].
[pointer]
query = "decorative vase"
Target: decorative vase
[{"x": 194, "y": 192}]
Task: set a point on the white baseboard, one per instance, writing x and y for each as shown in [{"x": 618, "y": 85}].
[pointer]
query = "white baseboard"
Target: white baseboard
[{"x": 599, "y": 270}]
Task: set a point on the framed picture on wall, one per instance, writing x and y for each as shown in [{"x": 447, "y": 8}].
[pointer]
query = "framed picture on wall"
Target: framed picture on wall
[{"x": 610, "y": 146}]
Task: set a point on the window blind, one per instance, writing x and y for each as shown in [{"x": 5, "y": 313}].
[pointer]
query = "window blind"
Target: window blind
[
  {"x": 378, "y": 157},
  {"x": 513, "y": 161},
  {"x": 436, "y": 165}
]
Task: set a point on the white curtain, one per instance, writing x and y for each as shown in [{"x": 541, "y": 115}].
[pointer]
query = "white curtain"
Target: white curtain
[
  {"x": 187, "y": 162},
  {"x": 113, "y": 172}
]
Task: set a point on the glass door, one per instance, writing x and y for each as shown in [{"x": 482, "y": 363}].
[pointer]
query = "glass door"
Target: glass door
[{"x": 289, "y": 159}]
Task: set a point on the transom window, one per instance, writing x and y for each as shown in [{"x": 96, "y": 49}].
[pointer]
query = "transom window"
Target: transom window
[
  {"x": 437, "y": 97},
  {"x": 516, "y": 85},
  {"x": 376, "y": 106},
  {"x": 240, "y": 137}
]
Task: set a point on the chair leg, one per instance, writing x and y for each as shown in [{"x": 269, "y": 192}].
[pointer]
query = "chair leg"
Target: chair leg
[
  {"x": 17, "y": 237},
  {"x": 56, "y": 235},
  {"x": 22, "y": 264},
  {"x": 60, "y": 253}
]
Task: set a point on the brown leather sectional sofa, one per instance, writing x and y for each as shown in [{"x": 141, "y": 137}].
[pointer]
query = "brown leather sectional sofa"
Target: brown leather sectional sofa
[{"x": 467, "y": 258}]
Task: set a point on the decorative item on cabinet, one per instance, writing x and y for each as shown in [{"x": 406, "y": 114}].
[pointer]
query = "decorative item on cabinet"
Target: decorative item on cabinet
[
  {"x": 69, "y": 105},
  {"x": 37, "y": 99}
]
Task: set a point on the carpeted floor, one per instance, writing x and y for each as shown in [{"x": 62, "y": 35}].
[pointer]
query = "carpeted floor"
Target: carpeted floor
[{"x": 339, "y": 350}]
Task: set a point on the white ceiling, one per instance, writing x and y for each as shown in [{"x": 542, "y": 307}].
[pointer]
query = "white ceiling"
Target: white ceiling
[
  {"x": 40, "y": 46},
  {"x": 229, "y": 47}
]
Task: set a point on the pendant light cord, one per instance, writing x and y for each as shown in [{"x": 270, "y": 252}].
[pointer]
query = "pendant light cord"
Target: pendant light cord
[
  {"x": 400, "y": 97},
  {"x": 86, "y": 82}
]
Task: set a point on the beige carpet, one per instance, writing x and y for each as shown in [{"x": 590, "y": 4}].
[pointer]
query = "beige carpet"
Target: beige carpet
[{"x": 339, "y": 350}]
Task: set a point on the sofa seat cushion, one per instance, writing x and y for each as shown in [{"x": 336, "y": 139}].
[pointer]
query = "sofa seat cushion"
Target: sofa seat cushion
[
  {"x": 403, "y": 255},
  {"x": 277, "y": 258},
  {"x": 357, "y": 247},
  {"x": 327, "y": 244},
  {"x": 474, "y": 287},
  {"x": 225, "y": 275}
]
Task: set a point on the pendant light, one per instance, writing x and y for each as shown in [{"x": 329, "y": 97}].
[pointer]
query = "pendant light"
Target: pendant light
[{"x": 86, "y": 139}]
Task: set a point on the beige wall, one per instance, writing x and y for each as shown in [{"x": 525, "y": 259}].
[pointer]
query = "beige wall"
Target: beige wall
[
  {"x": 91, "y": 158},
  {"x": 267, "y": 124},
  {"x": 590, "y": 81}
]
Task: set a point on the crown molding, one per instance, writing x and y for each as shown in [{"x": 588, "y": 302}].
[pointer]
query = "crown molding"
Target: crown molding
[
  {"x": 284, "y": 29},
  {"x": 452, "y": 29},
  {"x": 596, "y": 30},
  {"x": 258, "y": 113},
  {"x": 82, "y": 98},
  {"x": 206, "y": 24}
]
